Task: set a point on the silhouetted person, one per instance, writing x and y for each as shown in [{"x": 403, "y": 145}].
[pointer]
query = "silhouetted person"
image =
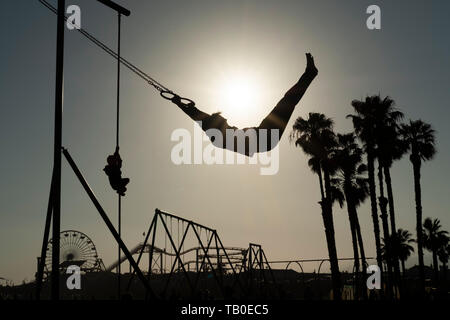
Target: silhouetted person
[
  {"x": 277, "y": 118},
  {"x": 114, "y": 173}
]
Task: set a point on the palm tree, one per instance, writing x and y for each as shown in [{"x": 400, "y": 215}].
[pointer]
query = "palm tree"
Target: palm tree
[
  {"x": 404, "y": 250},
  {"x": 420, "y": 142},
  {"x": 433, "y": 239},
  {"x": 389, "y": 148},
  {"x": 364, "y": 123},
  {"x": 316, "y": 138},
  {"x": 393, "y": 149},
  {"x": 351, "y": 180},
  {"x": 397, "y": 248}
]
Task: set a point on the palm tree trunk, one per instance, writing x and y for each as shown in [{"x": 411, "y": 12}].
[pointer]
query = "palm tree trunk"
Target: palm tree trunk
[
  {"x": 403, "y": 269},
  {"x": 350, "y": 211},
  {"x": 383, "y": 203},
  {"x": 390, "y": 194},
  {"x": 436, "y": 268},
  {"x": 363, "y": 255},
  {"x": 444, "y": 277},
  {"x": 384, "y": 219},
  {"x": 387, "y": 174},
  {"x": 319, "y": 173},
  {"x": 373, "y": 205},
  {"x": 418, "y": 197},
  {"x": 403, "y": 279},
  {"x": 331, "y": 243}
]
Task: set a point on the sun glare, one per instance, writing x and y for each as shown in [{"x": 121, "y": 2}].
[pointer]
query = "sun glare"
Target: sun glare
[{"x": 240, "y": 100}]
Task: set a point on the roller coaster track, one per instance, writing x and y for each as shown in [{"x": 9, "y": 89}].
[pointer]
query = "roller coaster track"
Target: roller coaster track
[{"x": 235, "y": 252}]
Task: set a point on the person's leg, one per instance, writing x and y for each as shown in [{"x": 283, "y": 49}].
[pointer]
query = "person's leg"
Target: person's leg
[{"x": 279, "y": 117}]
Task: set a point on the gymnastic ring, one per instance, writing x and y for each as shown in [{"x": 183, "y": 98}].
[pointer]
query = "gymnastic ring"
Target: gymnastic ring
[
  {"x": 187, "y": 101},
  {"x": 168, "y": 95}
]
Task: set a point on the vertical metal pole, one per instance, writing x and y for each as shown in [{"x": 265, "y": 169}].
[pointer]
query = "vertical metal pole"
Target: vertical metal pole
[
  {"x": 152, "y": 247},
  {"x": 59, "y": 93}
]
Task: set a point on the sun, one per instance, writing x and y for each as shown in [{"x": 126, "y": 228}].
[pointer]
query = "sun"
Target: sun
[{"x": 239, "y": 99}]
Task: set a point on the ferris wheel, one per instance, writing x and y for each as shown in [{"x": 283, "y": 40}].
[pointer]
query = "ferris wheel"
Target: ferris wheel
[{"x": 76, "y": 248}]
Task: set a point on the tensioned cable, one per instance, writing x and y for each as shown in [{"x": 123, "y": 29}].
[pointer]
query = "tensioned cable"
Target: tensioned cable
[{"x": 151, "y": 81}]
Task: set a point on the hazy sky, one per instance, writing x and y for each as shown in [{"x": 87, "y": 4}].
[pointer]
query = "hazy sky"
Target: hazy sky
[{"x": 198, "y": 48}]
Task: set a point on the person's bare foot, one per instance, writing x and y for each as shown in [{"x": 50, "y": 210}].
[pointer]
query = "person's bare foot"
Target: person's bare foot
[{"x": 310, "y": 66}]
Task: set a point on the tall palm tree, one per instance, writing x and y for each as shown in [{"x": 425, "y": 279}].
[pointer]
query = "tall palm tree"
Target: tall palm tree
[
  {"x": 393, "y": 148},
  {"x": 350, "y": 180},
  {"x": 420, "y": 142},
  {"x": 364, "y": 123},
  {"x": 433, "y": 239},
  {"x": 316, "y": 138},
  {"x": 390, "y": 147}
]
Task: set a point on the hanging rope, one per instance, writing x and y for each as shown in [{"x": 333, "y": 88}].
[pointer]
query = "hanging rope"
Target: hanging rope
[
  {"x": 165, "y": 92},
  {"x": 118, "y": 80},
  {"x": 114, "y": 161},
  {"x": 119, "y": 204}
]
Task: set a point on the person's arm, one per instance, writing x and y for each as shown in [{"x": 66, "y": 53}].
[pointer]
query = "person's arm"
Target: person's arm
[{"x": 190, "y": 109}]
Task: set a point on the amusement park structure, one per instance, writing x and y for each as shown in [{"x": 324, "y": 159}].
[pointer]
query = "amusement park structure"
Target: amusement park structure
[
  {"x": 176, "y": 247},
  {"x": 184, "y": 256},
  {"x": 174, "y": 244},
  {"x": 76, "y": 248}
]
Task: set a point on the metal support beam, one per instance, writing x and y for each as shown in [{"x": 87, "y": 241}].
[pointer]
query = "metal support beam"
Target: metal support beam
[
  {"x": 41, "y": 265},
  {"x": 56, "y": 197},
  {"x": 152, "y": 225},
  {"x": 115, "y": 7},
  {"x": 108, "y": 223},
  {"x": 177, "y": 253}
]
